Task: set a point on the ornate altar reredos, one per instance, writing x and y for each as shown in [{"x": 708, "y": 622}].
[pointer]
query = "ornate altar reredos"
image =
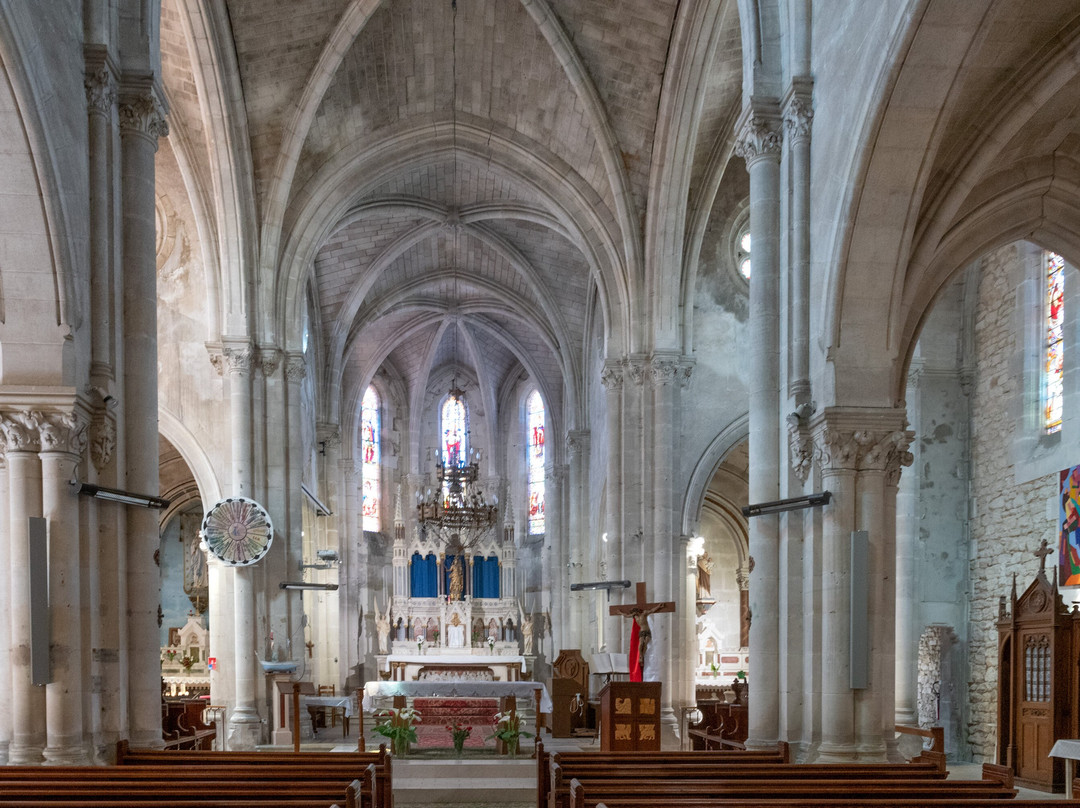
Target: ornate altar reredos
[
  {"x": 449, "y": 600},
  {"x": 184, "y": 670}
]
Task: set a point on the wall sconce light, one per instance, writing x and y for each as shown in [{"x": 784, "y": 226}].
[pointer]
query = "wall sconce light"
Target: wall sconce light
[
  {"x": 307, "y": 585},
  {"x": 793, "y": 504},
  {"x": 116, "y": 495}
]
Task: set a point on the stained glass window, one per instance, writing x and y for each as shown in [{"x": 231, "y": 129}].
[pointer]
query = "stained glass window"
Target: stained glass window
[
  {"x": 534, "y": 408},
  {"x": 455, "y": 431},
  {"x": 369, "y": 452},
  {"x": 1053, "y": 371}
]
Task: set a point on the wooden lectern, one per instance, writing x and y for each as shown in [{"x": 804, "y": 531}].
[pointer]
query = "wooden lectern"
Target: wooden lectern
[{"x": 630, "y": 717}]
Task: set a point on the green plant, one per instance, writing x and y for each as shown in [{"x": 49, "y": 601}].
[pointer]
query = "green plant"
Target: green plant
[
  {"x": 398, "y": 726},
  {"x": 741, "y": 675},
  {"x": 509, "y": 730},
  {"x": 714, "y": 668},
  {"x": 459, "y": 734}
]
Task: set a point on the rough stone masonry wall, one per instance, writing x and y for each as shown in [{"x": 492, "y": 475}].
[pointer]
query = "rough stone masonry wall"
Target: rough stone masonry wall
[{"x": 1010, "y": 519}]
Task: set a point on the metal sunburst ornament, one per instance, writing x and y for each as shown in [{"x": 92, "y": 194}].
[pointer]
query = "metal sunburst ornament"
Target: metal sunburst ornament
[{"x": 238, "y": 531}]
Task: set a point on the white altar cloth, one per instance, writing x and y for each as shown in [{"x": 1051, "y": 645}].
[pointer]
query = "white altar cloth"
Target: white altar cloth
[
  {"x": 459, "y": 690},
  {"x": 330, "y": 701},
  {"x": 1070, "y": 750},
  {"x": 457, "y": 659}
]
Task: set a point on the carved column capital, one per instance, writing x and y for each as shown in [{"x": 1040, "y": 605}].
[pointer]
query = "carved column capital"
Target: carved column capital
[
  {"x": 63, "y": 432},
  {"x": 863, "y": 439},
  {"x": 577, "y": 441},
  {"x": 761, "y": 138},
  {"x": 102, "y": 440},
  {"x": 635, "y": 371},
  {"x": 216, "y": 357},
  {"x": 269, "y": 360},
  {"x": 295, "y": 367},
  {"x": 238, "y": 359},
  {"x": 100, "y": 86},
  {"x": 20, "y": 430},
  {"x": 143, "y": 114},
  {"x": 798, "y": 118},
  {"x": 329, "y": 435},
  {"x": 612, "y": 376},
  {"x": 663, "y": 371}
]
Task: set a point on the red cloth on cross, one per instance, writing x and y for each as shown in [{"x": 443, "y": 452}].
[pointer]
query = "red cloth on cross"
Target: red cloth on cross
[{"x": 636, "y": 662}]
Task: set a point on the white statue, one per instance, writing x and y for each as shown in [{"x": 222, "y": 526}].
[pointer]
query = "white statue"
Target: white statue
[
  {"x": 455, "y": 633},
  {"x": 526, "y": 622},
  {"x": 382, "y": 625}
]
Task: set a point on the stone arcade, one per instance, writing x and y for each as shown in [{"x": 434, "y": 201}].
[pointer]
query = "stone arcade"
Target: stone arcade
[{"x": 637, "y": 264}]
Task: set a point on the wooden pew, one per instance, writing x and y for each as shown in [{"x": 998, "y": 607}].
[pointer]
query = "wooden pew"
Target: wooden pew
[
  {"x": 356, "y": 761},
  {"x": 780, "y": 755},
  {"x": 312, "y": 786},
  {"x": 699, "y": 765}
]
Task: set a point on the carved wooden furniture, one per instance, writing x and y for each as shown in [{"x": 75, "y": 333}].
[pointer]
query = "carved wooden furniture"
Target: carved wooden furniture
[
  {"x": 630, "y": 717},
  {"x": 569, "y": 678},
  {"x": 1038, "y": 651}
]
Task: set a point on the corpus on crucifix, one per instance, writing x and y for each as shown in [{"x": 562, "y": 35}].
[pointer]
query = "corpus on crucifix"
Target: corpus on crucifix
[{"x": 640, "y": 633}]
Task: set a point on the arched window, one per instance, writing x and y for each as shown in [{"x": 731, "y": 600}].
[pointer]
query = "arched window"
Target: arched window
[
  {"x": 369, "y": 453},
  {"x": 1053, "y": 375},
  {"x": 454, "y": 423},
  {"x": 534, "y": 460}
]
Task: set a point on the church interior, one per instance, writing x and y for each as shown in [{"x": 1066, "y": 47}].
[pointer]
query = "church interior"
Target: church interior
[{"x": 353, "y": 342}]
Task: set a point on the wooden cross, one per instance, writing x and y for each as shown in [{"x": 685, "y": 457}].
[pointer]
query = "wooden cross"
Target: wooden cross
[
  {"x": 310, "y": 647},
  {"x": 640, "y": 607},
  {"x": 1043, "y": 551},
  {"x": 639, "y": 611}
]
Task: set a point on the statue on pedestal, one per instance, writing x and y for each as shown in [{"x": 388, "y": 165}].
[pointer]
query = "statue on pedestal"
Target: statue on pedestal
[{"x": 382, "y": 625}]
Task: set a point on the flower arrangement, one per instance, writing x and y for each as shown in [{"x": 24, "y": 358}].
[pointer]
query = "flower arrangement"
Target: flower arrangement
[
  {"x": 491, "y": 644},
  {"x": 509, "y": 728},
  {"x": 420, "y": 644},
  {"x": 187, "y": 662},
  {"x": 170, "y": 654},
  {"x": 459, "y": 734},
  {"x": 714, "y": 668},
  {"x": 399, "y": 727}
]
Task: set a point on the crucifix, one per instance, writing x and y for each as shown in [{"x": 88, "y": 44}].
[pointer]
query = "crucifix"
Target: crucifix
[
  {"x": 1043, "y": 551},
  {"x": 640, "y": 634}
]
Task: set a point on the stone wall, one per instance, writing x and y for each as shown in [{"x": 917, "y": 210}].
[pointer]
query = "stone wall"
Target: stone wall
[{"x": 1009, "y": 518}]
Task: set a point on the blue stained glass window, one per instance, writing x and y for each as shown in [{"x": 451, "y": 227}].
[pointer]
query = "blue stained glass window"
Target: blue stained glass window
[
  {"x": 534, "y": 408},
  {"x": 1054, "y": 319},
  {"x": 369, "y": 452}
]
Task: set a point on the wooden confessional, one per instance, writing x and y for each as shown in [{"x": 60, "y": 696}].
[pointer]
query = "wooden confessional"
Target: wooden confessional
[{"x": 1038, "y": 652}]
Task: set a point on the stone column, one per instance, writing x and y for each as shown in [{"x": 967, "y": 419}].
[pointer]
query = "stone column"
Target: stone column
[
  {"x": 21, "y": 438},
  {"x": 798, "y": 117},
  {"x": 632, "y": 460},
  {"x": 5, "y": 597},
  {"x": 63, "y": 439},
  {"x": 142, "y": 122},
  {"x": 272, "y": 432},
  {"x": 760, "y": 145},
  {"x": 352, "y": 577},
  {"x": 837, "y": 454},
  {"x": 295, "y": 372},
  {"x": 861, "y": 452},
  {"x": 244, "y": 725},
  {"x": 907, "y": 536},
  {"x": 559, "y": 588},
  {"x": 577, "y": 451},
  {"x": 100, "y": 88},
  {"x": 612, "y": 379},
  {"x": 662, "y": 555}
]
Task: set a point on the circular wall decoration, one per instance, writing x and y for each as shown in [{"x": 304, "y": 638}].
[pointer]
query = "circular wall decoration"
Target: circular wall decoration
[{"x": 238, "y": 531}]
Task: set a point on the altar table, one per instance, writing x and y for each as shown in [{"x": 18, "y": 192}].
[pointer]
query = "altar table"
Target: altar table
[
  {"x": 460, "y": 690},
  {"x": 406, "y": 667}
]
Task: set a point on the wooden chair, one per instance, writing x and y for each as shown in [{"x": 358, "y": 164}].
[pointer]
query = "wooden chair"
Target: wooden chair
[{"x": 334, "y": 712}]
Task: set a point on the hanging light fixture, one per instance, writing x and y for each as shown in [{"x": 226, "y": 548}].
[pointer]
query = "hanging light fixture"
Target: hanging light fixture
[{"x": 456, "y": 510}]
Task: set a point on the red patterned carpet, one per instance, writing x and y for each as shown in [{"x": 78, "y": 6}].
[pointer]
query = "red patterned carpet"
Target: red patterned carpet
[{"x": 437, "y": 714}]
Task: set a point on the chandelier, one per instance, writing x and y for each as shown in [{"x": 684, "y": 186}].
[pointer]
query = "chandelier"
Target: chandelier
[{"x": 456, "y": 509}]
